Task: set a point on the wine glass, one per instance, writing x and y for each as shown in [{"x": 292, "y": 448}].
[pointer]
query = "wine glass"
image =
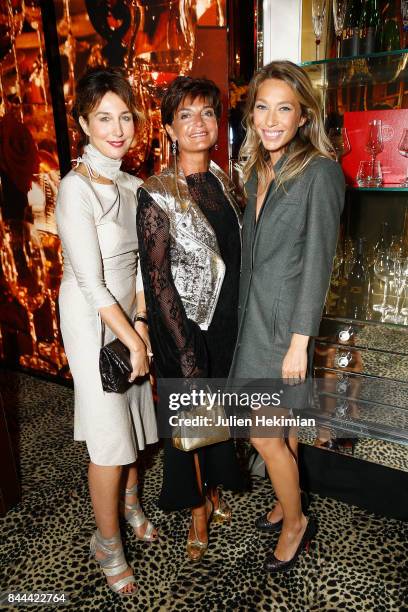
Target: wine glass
[
  {"x": 333, "y": 295},
  {"x": 403, "y": 150},
  {"x": 374, "y": 144},
  {"x": 349, "y": 256},
  {"x": 339, "y": 14},
  {"x": 384, "y": 271},
  {"x": 340, "y": 141},
  {"x": 318, "y": 17},
  {"x": 395, "y": 247},
  {"x": 400, "y": 277}
]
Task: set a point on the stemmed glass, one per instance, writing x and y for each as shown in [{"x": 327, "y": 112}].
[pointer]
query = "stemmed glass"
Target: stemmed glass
[
  {"x": 400, "y": 278},
  {"x": 340, "y": 141},
  {"x": 333, "y": 294},
  {"x": 374, "y": 144},
  {"x": 349, "y": 256},
  {"x": 403, "y": 150},
  {"x": 384, "y": 271},
  {"x": 339, "y": 14},
  {"x": 318, "y": 17}
]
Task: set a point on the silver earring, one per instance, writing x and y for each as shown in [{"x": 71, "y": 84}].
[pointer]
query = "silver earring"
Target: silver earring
[
  {"x": 216, "y": 147},
  {"x": 174, "y": 147}
]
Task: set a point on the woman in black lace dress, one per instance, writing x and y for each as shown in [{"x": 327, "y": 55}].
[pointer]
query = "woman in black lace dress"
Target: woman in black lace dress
[{"x": 188, "y": 226}]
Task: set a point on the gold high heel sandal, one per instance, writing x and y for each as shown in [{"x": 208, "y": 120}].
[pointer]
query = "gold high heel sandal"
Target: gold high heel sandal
[
  {"x": 114, "y": 563},
  {"x": 135, "y": 516},
  {"x": 196, "y": 548},
  {"x": 223, "y": 513}
]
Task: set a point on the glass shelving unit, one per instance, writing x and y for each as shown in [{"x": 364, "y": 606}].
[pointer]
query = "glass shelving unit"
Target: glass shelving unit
[
  {"x": 383, "y": 188},
  {"x": 359, "y": 71}
]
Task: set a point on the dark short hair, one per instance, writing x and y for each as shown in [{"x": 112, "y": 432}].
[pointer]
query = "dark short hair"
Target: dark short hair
[
  {"x": 94, "y": 84},
  {"x": 186, "y": 87}
]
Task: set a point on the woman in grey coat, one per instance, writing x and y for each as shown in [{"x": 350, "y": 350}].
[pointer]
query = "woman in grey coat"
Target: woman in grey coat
[{"x": 295, "y": 197}]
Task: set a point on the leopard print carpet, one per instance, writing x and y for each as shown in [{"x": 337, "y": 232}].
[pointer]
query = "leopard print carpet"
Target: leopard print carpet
[{"x": 358, "y": 561}]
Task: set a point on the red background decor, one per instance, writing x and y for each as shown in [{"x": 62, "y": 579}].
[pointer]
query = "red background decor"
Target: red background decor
[{"x": 394, "y": 165}]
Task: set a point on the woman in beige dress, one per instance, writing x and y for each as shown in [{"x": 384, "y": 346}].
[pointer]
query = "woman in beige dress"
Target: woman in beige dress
[{"x": 101, "y": 295}]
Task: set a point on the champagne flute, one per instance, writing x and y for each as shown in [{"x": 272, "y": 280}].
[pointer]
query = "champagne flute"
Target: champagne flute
[
  {"x": 339, "y": 14},
  {"x": 403, "y": 150},
  {"x": 374, "y": 144},
  {"x": 384, "y": 271},
  {"x": 395, "y": 248},
  {"x": 400, "y": 277},
  {"x": 318, "y": 18},
  {"x": 340, "y": 141}
]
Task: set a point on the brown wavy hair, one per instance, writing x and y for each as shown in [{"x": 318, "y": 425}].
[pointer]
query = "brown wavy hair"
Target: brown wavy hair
[
  {"x": 184, "y": 87},
  {"x": 310, "y": 141},
  {"x": 93, "y": 85}
]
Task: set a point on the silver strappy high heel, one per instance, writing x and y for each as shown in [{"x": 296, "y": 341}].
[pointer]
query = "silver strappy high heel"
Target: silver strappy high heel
[
  {"x": 135, "y": 516},
  {"x": 114, "y": 563}
]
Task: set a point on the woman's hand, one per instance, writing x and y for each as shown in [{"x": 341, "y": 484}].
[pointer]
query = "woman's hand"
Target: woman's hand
[
  {"x": 143, "y": 331},
  {"x": 294, "y": 364},
  {"x": 140, "y": 363}
]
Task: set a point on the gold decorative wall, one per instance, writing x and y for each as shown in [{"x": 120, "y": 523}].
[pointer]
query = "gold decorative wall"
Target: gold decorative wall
[{"x": 44, "y": 47}]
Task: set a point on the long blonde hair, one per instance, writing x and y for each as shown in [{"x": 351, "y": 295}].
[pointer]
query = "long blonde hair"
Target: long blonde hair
[{"x": 310, "y": 140}]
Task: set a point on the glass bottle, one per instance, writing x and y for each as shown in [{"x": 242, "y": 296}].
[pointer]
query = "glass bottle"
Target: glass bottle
[
  {"x": 351, "y": 32},
  {"x": 377, "y": 283},
  {"x": 369, "y": 24},
  {"x": 389, "y": 38},
  {"x": 358, "y": 286}
]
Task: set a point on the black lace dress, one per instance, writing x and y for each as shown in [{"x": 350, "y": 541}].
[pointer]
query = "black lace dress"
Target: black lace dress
[{"x": 180, "y": 347}]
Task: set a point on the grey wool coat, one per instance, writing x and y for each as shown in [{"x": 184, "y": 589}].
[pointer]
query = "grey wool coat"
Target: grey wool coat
[{"x": 287, "y": 259}]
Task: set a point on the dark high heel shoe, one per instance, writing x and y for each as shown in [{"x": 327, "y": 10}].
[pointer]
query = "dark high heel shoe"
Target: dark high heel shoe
[
  {"x": 262, "y": 523},
  {"x": 272, "y": 564}
]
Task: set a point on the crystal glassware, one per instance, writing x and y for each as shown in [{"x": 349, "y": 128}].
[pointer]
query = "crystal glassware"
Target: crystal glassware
[
  {"x": 369, "y": 174},
  {"x": 374, "y": 144},
  {"x": 384, "y": 271},
  {"x": 395, "y": 248},
  {"x": 339, "y": 14},
  {"x": 400, "y": 277},
  {"x": 318, "y": 19},
  {"x": 403, "y": 150},
  {"x": 340, "y": 141}
]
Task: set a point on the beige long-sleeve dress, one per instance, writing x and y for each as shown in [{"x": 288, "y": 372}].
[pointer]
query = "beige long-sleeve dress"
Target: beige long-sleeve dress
[{"x": 96, "y": 224}]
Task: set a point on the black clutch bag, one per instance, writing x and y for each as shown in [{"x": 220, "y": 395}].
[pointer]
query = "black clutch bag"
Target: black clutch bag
[{"x": 115, "y": 367}]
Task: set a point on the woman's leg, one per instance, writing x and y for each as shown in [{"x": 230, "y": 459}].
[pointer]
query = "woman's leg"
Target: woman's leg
[
  {"x": 199, "y": 522},
  {"x": 129, "y": 480},
  {"x": 199, "y": 512},
  {"x": 104, "y": 485},
  {"x": 276, "y": 514},
  {"x": 283, "y": 472}
]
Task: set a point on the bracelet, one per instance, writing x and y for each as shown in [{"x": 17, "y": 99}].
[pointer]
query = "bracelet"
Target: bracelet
[{"x": 142, "y": 319}]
